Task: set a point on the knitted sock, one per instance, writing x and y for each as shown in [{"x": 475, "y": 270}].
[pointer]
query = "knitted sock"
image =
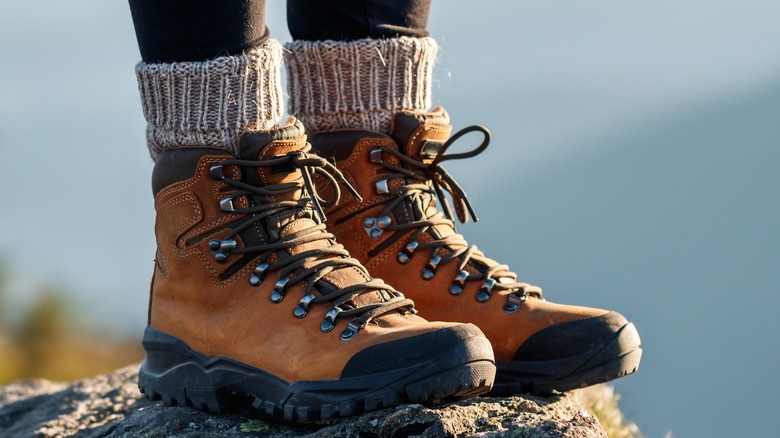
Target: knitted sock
[
  {"x": 209, "y": 103},
  {"x": 358, "y": 84}
]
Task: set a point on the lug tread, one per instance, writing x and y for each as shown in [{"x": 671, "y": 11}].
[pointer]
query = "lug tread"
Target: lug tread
[
  {"x": 225, "y": 385},
  {"x": 328, "y": 411},
  {"x": 425, "y": 391}
]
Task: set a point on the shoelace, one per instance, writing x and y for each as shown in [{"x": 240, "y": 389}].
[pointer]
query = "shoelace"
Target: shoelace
[
  {"x": 291, "y": 268},
  {"x": 425, "y": 180}
]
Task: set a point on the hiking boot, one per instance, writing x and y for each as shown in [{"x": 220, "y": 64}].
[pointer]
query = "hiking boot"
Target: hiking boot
[
  {"x": 398, "y": 233},
  {"x": 253, "y": 301}
]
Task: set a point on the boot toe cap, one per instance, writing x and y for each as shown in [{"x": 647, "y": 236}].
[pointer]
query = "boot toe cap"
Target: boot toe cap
[
  {"x": 574, "y": 338},
  {"x": 442, "y": 348}
]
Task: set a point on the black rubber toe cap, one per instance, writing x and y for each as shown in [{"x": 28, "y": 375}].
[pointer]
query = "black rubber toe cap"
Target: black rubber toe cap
[
  {"x": 450, "y": 346},
  {"x": 571, "y": 338}
]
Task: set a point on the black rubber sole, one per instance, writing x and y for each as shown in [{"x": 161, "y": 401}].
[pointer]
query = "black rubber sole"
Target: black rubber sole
[
  {"x": 618, "y": 358},
  {"x": 179, "y": 376}
]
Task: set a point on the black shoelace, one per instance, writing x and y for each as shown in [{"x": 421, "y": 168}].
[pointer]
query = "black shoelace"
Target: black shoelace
[
  {"x": 423, "y": 182},
  {"x": 309, "y": 266}
]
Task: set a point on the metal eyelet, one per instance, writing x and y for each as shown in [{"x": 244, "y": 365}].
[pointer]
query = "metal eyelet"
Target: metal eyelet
[
  {"x": 406, "y": 254},
  {"x": 374, "y": 227},
  {"x": 352, "y": 328},
  {"x": 226, "y": 205},
  {"x": 220, "y": 249},
  {"x": 330, "y": 320},
  {"x": 375, "y": 156},
  {"x": 382, "y": 186},
  {"x": 429, "y": 271},
  {"x": 280, "y": 288},
  {"x": 515, "y": 300},
  {"x": 302, "y": 309},
  {"x": 371, "y": 228},
  {"x": 456, "y": 288},
  {"x": 258, "y": 275},
  {"x": 384, "y": 221},
  {"x": 483, "y": 295},
  {"x": 216, "y": 171}
]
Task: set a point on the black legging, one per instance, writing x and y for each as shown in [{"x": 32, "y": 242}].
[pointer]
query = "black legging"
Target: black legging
[{"x": 197, "y": 30}]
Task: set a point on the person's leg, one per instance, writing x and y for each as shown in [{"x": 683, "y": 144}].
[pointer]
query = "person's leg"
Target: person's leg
[
  {"x": 197, "y": 30},
  {"x": 350, "y": 20},
  {"x": 375, "y": 76},
  {"x": 356, "y": 63},
  {"x": 209, "y": 71},
  {"x": 252, "y": 300}
]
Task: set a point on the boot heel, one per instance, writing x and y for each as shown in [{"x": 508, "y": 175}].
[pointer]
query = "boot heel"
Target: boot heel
[{"x": 173, "y": 373}]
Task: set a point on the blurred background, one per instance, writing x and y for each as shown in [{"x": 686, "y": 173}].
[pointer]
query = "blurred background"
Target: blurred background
[{"x": 634, "y": 166}]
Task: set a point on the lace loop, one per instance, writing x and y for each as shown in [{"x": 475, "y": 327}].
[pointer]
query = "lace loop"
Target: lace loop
[
  {"x": 442, "y": 180},
  {"x": 438, "y": 177}
]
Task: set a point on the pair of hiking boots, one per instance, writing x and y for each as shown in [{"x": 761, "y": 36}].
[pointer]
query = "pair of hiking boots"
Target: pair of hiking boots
[{"x": 254, "y": 301}]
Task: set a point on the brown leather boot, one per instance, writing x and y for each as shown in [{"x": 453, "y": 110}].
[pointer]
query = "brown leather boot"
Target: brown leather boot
[
  {"x": 398, "y": 234},
  {"x": 253, "y": 301}
]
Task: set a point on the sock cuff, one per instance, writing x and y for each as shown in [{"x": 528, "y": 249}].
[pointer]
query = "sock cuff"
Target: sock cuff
[
  {"x": 209, "y": 103},
  {"x": 358, "y": 84}
]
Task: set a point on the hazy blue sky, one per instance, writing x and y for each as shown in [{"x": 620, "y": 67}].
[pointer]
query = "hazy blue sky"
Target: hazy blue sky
[{"x": 634, "y": 166}]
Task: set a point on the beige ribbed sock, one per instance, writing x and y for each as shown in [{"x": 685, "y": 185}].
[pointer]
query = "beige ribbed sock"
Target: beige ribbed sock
[
  {"x": 209, "y": 103},
  {"x": 358, "y": 84}
]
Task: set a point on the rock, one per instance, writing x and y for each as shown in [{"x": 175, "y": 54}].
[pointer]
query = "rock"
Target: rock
[{"x": 111, "y": 406}]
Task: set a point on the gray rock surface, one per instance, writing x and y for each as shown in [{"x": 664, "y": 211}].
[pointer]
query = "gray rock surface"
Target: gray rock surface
[{"x": 111, "y": 406}]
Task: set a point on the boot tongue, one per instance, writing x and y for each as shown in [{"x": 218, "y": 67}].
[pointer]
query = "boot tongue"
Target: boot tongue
[
  {"x": 288, "y": 137},
  {"x": 255, "y": 146},
  {"x": 421, "y": 136}
]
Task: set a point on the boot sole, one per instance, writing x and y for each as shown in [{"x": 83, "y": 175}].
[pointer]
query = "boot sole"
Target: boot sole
[
  {"x": 620, "y": 357},
  {"x": 180, "y": 376}
]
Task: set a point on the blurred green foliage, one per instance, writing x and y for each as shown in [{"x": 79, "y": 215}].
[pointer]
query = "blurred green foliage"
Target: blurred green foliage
[{"x": 47, "y": 341}]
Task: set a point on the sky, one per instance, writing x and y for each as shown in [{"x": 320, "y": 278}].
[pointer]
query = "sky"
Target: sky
[{"x": 633, "y": 167}]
